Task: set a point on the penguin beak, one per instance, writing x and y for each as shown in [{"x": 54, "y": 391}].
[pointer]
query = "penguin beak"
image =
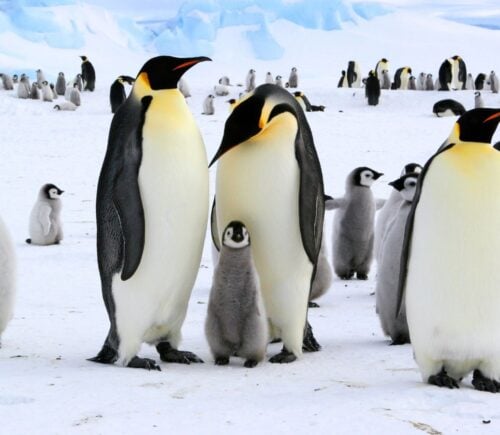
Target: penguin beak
[
  {"x": 492, "y": 117},
  {"x": 377, "y": 175},
  {"x": 188, "y": 63}
]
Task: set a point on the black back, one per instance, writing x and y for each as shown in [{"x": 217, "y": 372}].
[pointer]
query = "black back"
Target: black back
[
  {"x": 351, "y": 73},
  {"x": 448, "y": 104},
  {"x": 479, "y": 82},
  {"x": 117, "y": 95},
  {"x": 444, "y": 75},
  {"x": 88, "y": 76},
  {"x": 372, "y": 90}
]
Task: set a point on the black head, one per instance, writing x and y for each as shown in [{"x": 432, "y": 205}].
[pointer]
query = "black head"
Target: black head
[
  {"x": 408, "y": 180},
  {"x": 51, "y": 191},
  {"x": 236, "y": 235},
  {"x": 164, "y": 72},
  {"x": 231, "y": 101},
  {"x": 384, "y": 60},
  {"x": 478, "y": 125},
  {"x": 83, "y": 58},
  {"x": 412, "y": 167},
  {"x": 364, "y": 176},
  {"x": 497, "y": 146}
]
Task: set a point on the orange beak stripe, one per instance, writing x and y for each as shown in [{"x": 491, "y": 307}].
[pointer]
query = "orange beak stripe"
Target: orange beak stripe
[
  {"x": 490, "y": 118},
  {"x": 185, "y": 64}
]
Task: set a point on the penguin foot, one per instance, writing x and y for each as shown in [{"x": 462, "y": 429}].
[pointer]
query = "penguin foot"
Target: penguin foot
[
  {"x": 169, "y": 354},
  {"x": 250, "y": 363},
  {"x": 442, "y": 379},
  {"x": 143, "y": 363},
  {"x": 362, "y": 276},
  {"x": 400, "y": 339},
  {"x": 312, "y": 304},
  {"x": 221, "y": 361},
  {"x": 309, "y": 343},
  {"x": 346, "y": 276},
  {"x": 482, "y": 383},
  {"x": 284, "y": 357},
  {"x": 107, "y": 355}
]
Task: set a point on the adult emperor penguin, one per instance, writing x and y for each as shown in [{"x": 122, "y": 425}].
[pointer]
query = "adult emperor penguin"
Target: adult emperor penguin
[
  {"x": 7, "y": 278},
  {"x": 450, "y": 259},
  {"x": 448, "y": 107},
  {"x": 117, "y": 95},
  {"x": 269, "y": 177},
  {"x": 88, "y": 74},
  {"x": 343, "y": 83},
  {"x": 152, "y": 207},
  {"x": 401, "y": 78},
  {"x": 353, "y": 74},
  {"x": 452, "y": 74},
  {"x": 372, "y": 89},
  {"x": 382, "y": 65}
]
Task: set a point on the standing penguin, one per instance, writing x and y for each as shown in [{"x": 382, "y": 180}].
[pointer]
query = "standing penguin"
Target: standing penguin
[
  {"x": 323, "y": 278},
  {"x": 449, "y": 266},
  {"x": 78, "y": 80},
  {"x": 382, "y": 65},
  {"x": 429, "y": 83},
  {"x": 372, "y": 89},
  {"x": 469, "y": 83},
  {"x": 23, "y": 88},
  {"x": 353, "y": 226},
  {"x": 7, "y": 82},
  {"x": 494, "y": 82},
  {"x": 412, "y": 84},
  {"x": 269, "y": 78},
  {"x": 208, "y": 105},
  {"x": 7, "y": 278},
  {"x": 236, "y": 321},
  {"x": 421, "y": 81},
  {"x": 74, "y": 95},
  {"x": 353, "y": 74},
  {"x": 279, "y": 81},
  {"x": 53, "y": 89},
  {"x": 40, "y": 78},
  {"x": 34, "y": 91},
  {"x": 479, "y": 82},
  {"x": 478, "y": 100},
  {"x": 61, "y": 84},
  {"x": 15, "y": 78},
  {"x": 117, "y": 95},
  {"x": 250, "y": 81},
  {"x": 45, "y": 219},
  {"x": 88, "y": 74},
  {"x": 452, "y": 74},
  {"x": 401, "y": 78},
  {"x": 47, "y": 94},
  {"x": 343, "y": 83},
  {"x": 293, "y": 79},
  {"x": 269, "y": 177},
  {"x": 385, "y": 80},
  {"x": 389, "y": 263},
  {"x": 152, "y": 206}
]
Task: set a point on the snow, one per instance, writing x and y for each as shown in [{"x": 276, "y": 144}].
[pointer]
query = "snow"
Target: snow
[{"x": 357, "y": 383}]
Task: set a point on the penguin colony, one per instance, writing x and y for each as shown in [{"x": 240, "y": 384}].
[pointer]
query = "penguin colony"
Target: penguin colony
[{"x": 269, "y": 123}]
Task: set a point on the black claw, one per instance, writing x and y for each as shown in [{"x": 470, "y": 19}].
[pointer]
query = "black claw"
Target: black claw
[
  {"x": 250, "y": 363},
  {"x": 283, "y": 357},
  {"x": 400, "y": 339},
  {"x": 169, "y": 354},
  {"x": 482, "y": 383},
  {"x": 221, "y": 361},
  {"x": 442, "y": 379},
  {"x": 143, "y": 363},
  {"x": 312, "y": 304},
  {"x": 346, "y": 277},
  {"x": 362, "y": 276},
  {"x": 309, "y": 343},
  {"x": 107, "y": 355}
]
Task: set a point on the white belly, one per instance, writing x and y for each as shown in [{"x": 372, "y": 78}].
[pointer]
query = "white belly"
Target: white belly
[
  {"x": 452, "y": 291},
  {"x": 258, "y": 184},
  {"x": 173, "y": 182}
]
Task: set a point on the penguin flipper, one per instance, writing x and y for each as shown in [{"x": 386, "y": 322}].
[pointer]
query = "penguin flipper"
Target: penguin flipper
[{"x": 213, "y": 227}]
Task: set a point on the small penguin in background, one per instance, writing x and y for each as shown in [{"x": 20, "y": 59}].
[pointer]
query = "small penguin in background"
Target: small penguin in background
[
  {"x": 15, "y": 79},
  {"x": 449, "y": 264},
  {"x": 389, "y": 263},
  {"x": 60, "y": 84},
  {"x": 343, "y": 83},
  {"x": 323, "y": 278},
  {"x": 47, "y": 94},
  {"x": 117, "y": 95},
  {"x": 269, "y": 78},
  {"x": 306, "y": 104},
  {"x": 429, "y": 83},
  {"x": 65, "y": 105},
  {"x": 236, "y": 323},
  {"x": 88, "y": 74},
  {"x": 353, "y": 225},
  {"x": 40, "y": 78},
  {"x": 386, "y": 80},
  {"x": 74, "y": 95},
  {"x": 382, "y": 65},
  {"x": 183, "y": 87},
  {"x": 353, "y": 74},
  {"x": 79, "y": 81},
  {"x": 34, "y": 91},
  {"x": 23, "y": 88},
  {"x": 7, "y": 82},
  {"x": 401, "y": 78},
  {"x": 208, "y": 105},
  {"x": 479, "y": 82},
  {"x": 448, "y": 107},
  {"x": 412, "y": 84},
  {"x": 7, "y": 278},
  {"x": 224, "y": 80},
  {"x": 293, "y": 79},
  {"x": 53, "y": 89},
  {"x": 372, "y": 89},
  {"x": 469, "y": 83},
  {"x": 493, "y": 82},
  {"x": 421, "y": 81},
  {"x": 478, "y": 100},
  {"x": 250, "y": 81},
  {"x": 232, "y": 104},
  {"x": 452, "y": 74},
  {"x": 45, "y": 225},
  {"x": 279, "y": 81},
  {"x": 221, "y": 90}
]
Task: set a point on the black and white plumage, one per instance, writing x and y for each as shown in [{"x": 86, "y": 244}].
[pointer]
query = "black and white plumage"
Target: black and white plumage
[
  {"x": 452, "y": 74},
  {"x": 448, "y": 107},
  {"x": 74, "y": 96},
  {"x": 401, "y": 78},
  {"x": 45, "y": 227},
  {"x": 60, "y": 84},
  {"x": 479, "y": 82},
  {"x": 88, "y": 74},
  {"x": 372, "y": 89},
  {"x": 306, "y": 104},
  {"x": 343, "y": 83},
  {"x": 7, "y": 278},
  {"x": 236, "y": 323},
  {"x": 293, "y": 79},
  {"x": 117, "y": 95},
  {"x": 353, "y": 74},
  {"x": 381, "y": 66},
  {"x": 279, "y": 81},
  {"x": 65, "y": 106}
]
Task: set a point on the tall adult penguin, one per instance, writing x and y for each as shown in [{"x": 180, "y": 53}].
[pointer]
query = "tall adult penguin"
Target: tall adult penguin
[
  {"x": 452, "y": 74},
  {"x": 382, "y": 65},
  {"x": 88, "y": 74},
  {"x": 401, "y": 78},
  {"x": 152, "y": 207},
  {"x": 117, "y": 95},
  {"x": 269, "y": 176},
  {"x": 449, "y": 269},
  {"x": 353, "y": 74},
  {"x": 372, "y": 89}
]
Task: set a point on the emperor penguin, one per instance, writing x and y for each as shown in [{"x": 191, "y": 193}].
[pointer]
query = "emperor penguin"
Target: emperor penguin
[
  {"x": 74, "y": 95},
  {"x": 269, "y": 78},
  {"x": 479, "y": 82},
  {"x": 401, "y": 78},
  {"x": 65, "y": 105},
  {"x": 45, "y": 225},
  {"x": 353, "y": 225},
  {"x": 117, "y": 95},
  {"x": 221, "y": 90},
  {"x": 47, "y": 94},
  {"x": 34, "y": 91},
  {"x": 469, "y": 83},
  {"x": 232, "y": 103},
  {"x": 353, "y": 74},
  {"x": 343, "y": 83},
  {"x": 421, "y": 81},
  {"x": 184, "y": 88},
  {"x": 381, "y": 66},
  {"x": 452, "y": 74},
  {"x": 23, "y": 88},
  {"x": 15, "y": 78},
  {"x": 387, "y": 212},
  {"x": 429, "y": 83},
  {"x": 372, "y": 89},
  {"x": 40, "y": 78},
  {"x": 450, "y": 259},
  {"x": 7, "y": 278},
  {"x": 448, "y": 107},
  {"x": 208, "y": 105},
  {"x": 53, "y": 89},
  {"x": 478, "y": 100},
  {"x": 385, "y": 80},
  {"x": 323, "y": 278},
  {"x": 60, "y": 84},
  {"x": 269, "y": 177},
  {"x": 88, "y": 74},
  {"x": 224, "y": 80},
  {"x": 78, "y": 80},
  {"x": 236, "y": 322},
  {"x": 412, "y": 84},
  {"x": 493, "y": 82},
  {"x": 279, "y": 81},
  {"x": 293, "y": 79},
  {"x": 7, "y": 82},
  {"x": 306, "y": 104},
  {"x": 386, "y": 289},
  {"x": 250, "y": 81},
  {"x": 152, "y": 208}
]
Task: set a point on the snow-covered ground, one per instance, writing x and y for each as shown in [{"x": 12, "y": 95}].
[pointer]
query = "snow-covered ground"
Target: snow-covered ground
[{"x": 356, "y": 384}]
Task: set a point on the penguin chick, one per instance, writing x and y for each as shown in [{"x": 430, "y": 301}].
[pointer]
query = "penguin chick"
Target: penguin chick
[
  {"x": 386, "y": 80},
  {"x": 343, "y": 80},
  {"x": 353, "y": 226},
  {"x": 40, "y": 78},
  {"x": 45, "y": 226},
  {"x": 250, "y": 81},
  {"x": 269, "y": 78},
  {"x": 183, "y": 87},
  {"x": 469, "y": 82},
  {"x": 279, "y": 81},
  {"x": 493, "y": 82},
  {"x": 224, "y": 80},
  {"x": 15, "y": 78},
  {"x": 7, "y": 82},
  {"x": 34, "y": 92},
  {"x": 47, "y": 92},
  {"x": 389, "y": 264},
  {"x": 65, "y": 105},
  {"x": 221, "y": 90},
  {"x": 7, "y": 278},
  {"x": 53, "y": 90},
  {"x": 23, "y": 88},
  {"x": 60, "y": 84},
  {"x": 78, "y": 80},
  {"x": 478, "y": 100},
  {"x": 208, "y": 105},
  {"x": 293, "y": 79},
  {"x": 429, "y": 83},
  {"x": 236, "y": 322},
  {"x": 412, "y": 84},
  {"x": 323, "y": 278},
  {"x": 74, "y": 95}
]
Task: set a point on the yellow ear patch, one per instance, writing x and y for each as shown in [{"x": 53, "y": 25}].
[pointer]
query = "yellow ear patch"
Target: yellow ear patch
[{"x": 142, "y": 86}]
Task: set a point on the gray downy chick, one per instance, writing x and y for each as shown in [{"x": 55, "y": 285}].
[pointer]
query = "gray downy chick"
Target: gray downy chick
[
  {"x": 208, "y": 105},
  {"x": 429, "y": 83},
  {"x": 250, "y": 81},
  {"x": 323, "y": 278},
  {"x": 47, "y": 92},
  {"x": 7, "y": 82},
  {"x": 74, "y": 95},
  {"x": 293, "y": 79},
  {"x": 23, "y": 87},
  {"x": 7, "y": 278},
  {"x": 60, "y": 84},
  {"x": 478, "y": 100}
]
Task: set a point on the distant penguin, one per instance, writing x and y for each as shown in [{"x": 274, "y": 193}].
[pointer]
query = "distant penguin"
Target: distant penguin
[
  {"x": 353, "y": 226},
  {"x": 412, "y": 84},
  {"x": 493, "y": 82},
  {"x": 478, "y": 100},
  {"x": 74, "y": 95},
  {"x": 88, "y": 74},
  {"x": 7, "y": 82},
  {"x": 65, "y": 105},
  {"x": 40, "y": 78},
  {"x": 293, "y": 79},
  {"x": 382, "y": 65},
  {"x": 343, "y": 83},
  {"x": 449, "y": 264},
  {"x": 479, "y": 82},
  {"x": 224, "y": 81},
  {"x": 469, "y": 83},
  {"x": 421, "y": 81},
  {"x": 47, "y": 94},
  {"x": 401, "y": 78},
  {"x": 429, "y": 83},
  {"x": 372, "y": 89},
  {"x": 236, "y": 323},
  {"x": 61, "y": 84},
  {"x": 306, "y": 104},
  {"x": 117, "y": 95},
  {"x": 15, "y": 78},
  {"x": 279, "y": 81},
  {"x": 221, "y": 90},
  {"x": 45, "y": 226},
  {"x": 183, "y": 87},
  {"x": 353, "y": 74},
  {"x": 448, "y": 107},
  {"x": 386, "y": 290},
  {"x": 323, "y": 278},
  {"x": 78, "y": 80},
  {"x": 250, "y": 81},
  {"x": 53, "y": 89},
  {"x": 34, "y": 91},
  {"x": 232, "y": 103},
  {"x": 7, "y": 278},
  {"x": 269, "y": 78},
  {"x": 208, "y": 105},
  {"x": 452, "y": 74},
  {"x": 23, "y": 88}
]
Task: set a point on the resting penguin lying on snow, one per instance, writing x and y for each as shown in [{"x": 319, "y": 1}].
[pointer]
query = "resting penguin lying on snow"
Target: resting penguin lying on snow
[{"x": 448, "y": 107}]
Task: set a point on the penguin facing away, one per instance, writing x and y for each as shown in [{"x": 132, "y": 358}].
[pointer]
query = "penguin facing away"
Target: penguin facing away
[
  {"x": 449, "y": 261},
  {"x": 372, "y": 89},
  {"x": 23, "y": 88},
  {"x": 236, "y": 322},
  {"x": 60, "y": 84},
  {"x": 7, "y": 278},
  {"x": 117, "y": 95},
  {"x": 269, "y": 176},
  {"x": 353, "y": 225},
  {"x": 149, "y": 238},
  {"x": 45, "y": 225},
  {"x": 479, "y": 82},
  {"x": 7, "y": 82},
  {"x": 88, "y": 74},
  {"x": 74, "y": 95},
  {"x": 389, "y": 262}
]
